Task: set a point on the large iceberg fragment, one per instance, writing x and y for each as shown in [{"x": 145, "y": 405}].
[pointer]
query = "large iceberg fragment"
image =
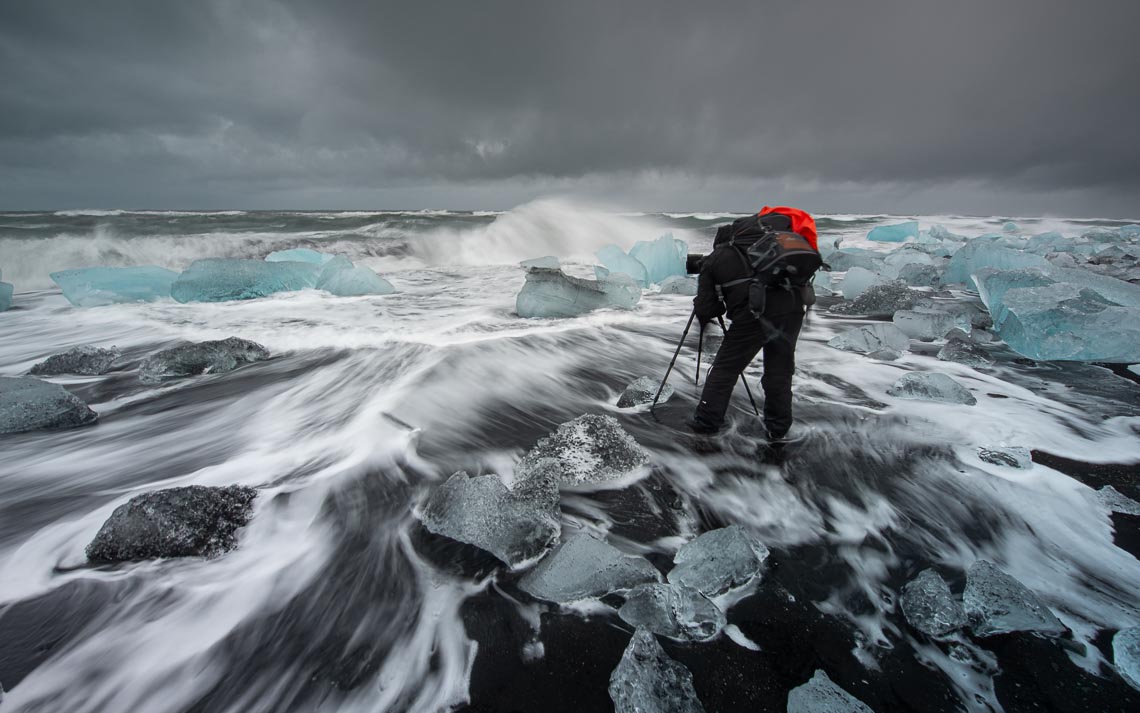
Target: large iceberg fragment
[
  {"x": 213, "y": 357},
  {"x": 616, "y": 261},
  {"x": 898, "y": 259},
  {"x": 662, "y": 258},
  {"x": 673, "y": 610},
  {"x": 553, "y": 293},
  {"x": 680, "y": 285},
  {"x": 964, "y": 351},
  {"x": 586, "y": 568},
  {"x": 996, "y": 603},
  {"x": 929, "y": 607},
  {"x": 822, "y": 695},
  {"x": 986, "y": 252},
  {"x": 7, "y": 289},
  {"x": 97, "y": 286},
  {"x": 920, "y": 275},
  {"x": 641, "y": 392},
  {"x": 225, "y": 279},
  {"x": 881, "y": 300},
  {"x": 588, "y": 449},
  {"x": 875, "y": 338},
  {"x": 846, "y": 258},
  {"x": 719, "y": 560},
  {"x": 646, "y": 680},
  {"x": 927, "y": 324},
  {"x": 924, "y": 386},
  {"x": 515, "y": 527},
  {"x": 299, "y": 255},
  {"x": 1006, "y": 456},
  {"x": 84, "y": 360},
  {"x": 857, "y": 280},
  {"x": 355, "y": 281},
  {"x": 28, "y": 404},
  {"x": 894, "y": 233},
  {"x": 1126, "y": 655}
]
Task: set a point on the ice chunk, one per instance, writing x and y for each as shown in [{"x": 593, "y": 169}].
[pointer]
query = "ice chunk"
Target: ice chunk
[
  {"x": 548, "y": 262},
  {"x": 225, "y": 279},
  {"x": 940, "y": 232},
  {"x": 719, "y": 560},
  {"x": 586, "y": 568},
  {"x": 882, "y": 301},
  {"x": 192, "y": 521},
  {"x": 552, "y": 293},
  {"x": 894, "y": 233},
  {"x": 898, "y": 259},
  {"x": 1119, "y": 291},
  {"x": 928, "y": 324},
  {"x": 648, "y": 681},
  {"x": 1126, "y": 655},
  {"x": 642, "y": 391},
  {"x": 213, "y": 357},
  {"x": 920, "y": 275},
  {"x": 978, "y": 255},
  {"x": 1006, "y": 456},
  {"x": 662, "y": 258},
  {"x": 85, "y": 360},
  {"x": 822, "y": 283},
  {"x": 1049, "y": 242},
  {"x": 996, "y": 603},
  {"x": 97, "y": 286},
  {"x": 1067, "y": 322},
  {"x": 1010, "y": 227},
  {"x": 355, "y": 282},
  {"x": 615, "y": 260},
  {"x": 929, "y": 607},
  {"x": 857, "y": 280},
  {"x": 964, "y": 351},
  {"x": 679, "y": 285},
  {"x": 845, "y": 259},
  {"x": 993, "y": 284},
  {"x": 28, "y": 404},
  {"x": 870, "y": 338},
  {"x": 673, "y": 610},
  {"x": 1130, "y": 231},
  {"x": 7, "y": 289},
  {"x": 299, "y": 255},
  {"x": 822, "y": 695},
  {"x": 1117, "y": 501},
  {"x": 514, "y": 526},
  {"x": 589, "y": 449},
  {"x": 924, "y": 386}
]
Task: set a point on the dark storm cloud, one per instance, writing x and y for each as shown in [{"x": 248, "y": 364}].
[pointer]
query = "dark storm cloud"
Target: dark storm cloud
[{"x": 331, "y": 103}]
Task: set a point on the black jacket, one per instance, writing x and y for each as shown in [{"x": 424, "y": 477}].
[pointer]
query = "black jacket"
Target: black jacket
[{"x": 725, "y": 264}]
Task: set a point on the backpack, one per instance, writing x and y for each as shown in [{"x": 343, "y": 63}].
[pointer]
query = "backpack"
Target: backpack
[{"x": 774, "y": 256}]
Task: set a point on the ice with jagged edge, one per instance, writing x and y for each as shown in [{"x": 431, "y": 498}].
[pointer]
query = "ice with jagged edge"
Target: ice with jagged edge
[
  {"x": 355, "y": 281},
  {"x": 676, "y": 611},
  {"x": 844, "y": 259},
  {"x": 28, "y": 404},
  {"x": 646, "y": 680},
  {"x": 965, "y": 351},
  {"x": 988, "y": 253},
  {"x": 858, "y": 280},
  {"x": 550, "y": 293},
  {"x": 227, "y": 279},
  {"x": 210, "y": 357},
  {"x": 1006, "y": 456},
  {"x": 894, "y": 233},
  {"x": 662, "y": 258},
  {"x": 679, "y": 285},
  {"x": 874, "y": 338},
  {"x": 1116, "y": 501},
  {"x": 1126, "y": 655},
  {"x": 98, "y": 286},
  {"x": 996, "y": 603},
  {"x": 719, "y": 560},
  {"x": 822, "y": 695},
  {"x": 642, "y": 390},
  {"x": 617, "y": 261},
  {"x": 929, "y": 606},
  {"x": 586, "y": 568},
  {"x": 924, "y": 386},
  {"x": 928, "y": 324},
  {"x": 589, "y": 449}
]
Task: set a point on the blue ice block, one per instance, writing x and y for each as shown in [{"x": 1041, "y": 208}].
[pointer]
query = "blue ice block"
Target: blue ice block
[
  {"x": 223, "y": 279},
  {"x": 553, "y": 293},
  {"x": 6, "y": 291},
  {"x": 894, "y": 233},
  {"x": 354, "y": 282},
  {"x": 299, "y": 255},
  {"x": 615, "y": 260},
  {"x": 662, "y": 258},
  {"x": 985, "y": 252},
  {"x": 95, "y": 286}
]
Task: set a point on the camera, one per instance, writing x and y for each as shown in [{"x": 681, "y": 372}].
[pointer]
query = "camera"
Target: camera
[{"x": 693, "y": 263}]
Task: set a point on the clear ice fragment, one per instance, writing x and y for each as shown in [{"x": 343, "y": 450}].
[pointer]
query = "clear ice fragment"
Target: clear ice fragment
[
  {"x": 355, "y": 281},
  {"x": 641, "y": 392},
  {"x": 552, "y": 293},
  {"x": 548, "y": 262},
  {"x": 719, "y": 560},
  {"x": 646, "y": 680},
  {"x": 662, "y": 258},
  {"x": 857, "y": 280},
  {"x": 965, "y": 351},
  {"x": 894, "y": 233},
  {"x": 1006, "y": 456},
  {"x": 588, "y": 449},
  {"x": 929, "y": 607},
  {"x": 679, "y": 285},
  {"x": 616, "y": 261},
  {"x": 299, "y": 255},
  {"x": 1126, "y": 655},
  {"x": 676, "y": 611},
  {"x": 870, "y": 338},
  {"x": 927, "y": 324},
  {"x": 996, "y": 603},
  {"x": 846, "y": 258},
  {"x": 7, "y": 289},
  {"x": 1117, "y": 501},
  {"x": 920, "y": 275},
  {"x": 586, "y": 568},
  {"x": 213, "y": 357},
  {"x": 28, "y": 404},
  {"x": 822, "y": 695},
  {"x": 225, "y": 279},
  {"x": 988, "y": 253},
  {"x": 923, "y": 386},
  {"x": 98, "y": 286},
  {"x": 84, "y": 360}
]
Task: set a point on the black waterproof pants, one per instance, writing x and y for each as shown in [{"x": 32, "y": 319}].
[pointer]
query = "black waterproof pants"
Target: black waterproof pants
[{"x": 776, "y": 334}]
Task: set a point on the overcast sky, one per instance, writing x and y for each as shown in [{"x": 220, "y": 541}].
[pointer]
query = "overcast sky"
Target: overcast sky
[{"x": 1013, "y": 107}]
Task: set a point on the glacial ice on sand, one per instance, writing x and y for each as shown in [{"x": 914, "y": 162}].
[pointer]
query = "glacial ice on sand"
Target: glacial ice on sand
[
  {"x": 1006, "y": 456},
  {"x": 299, "y": 255},
  {"x": 676, "y": 611},
  {"x": 871, "y": 338},
  {"x": 98, "y": 286},
  {"x": 898, "y": 259},
  {"x": 1126, "y": 655},
  {"x": 719, "y": 560},
  {"x": 212, "y": 357},
  {"x": 85, "y": 360},
  {"x": 894, "y": 233},
  {"x": 588, "y": 449},
  {"x": 857, "y": 280},
  {"x": 996, "y": 603},
  {"x": 846, "y": 258},
  {"x": 646, "y": 680},
  {"x": 616, "y": 261},
  {"x": 28, "y": 404},
  {"x": 929, "y": 606},
  {"x": 7, "y": 289},
  {"x": 586, "y": 568},
  {"x": 662, "y": 257},
  {"x": 982, "y": 253},
  {"x": 225, "y": 279},
  {"x": 680, "y": 285},
  {"x": 965, "y": 351},
  {"x": 355, "y": 281},
  {"x": 822, "y": 695},
  {"x": 641, "y": 391},
  {"x": 924, "y": 386},
  {"x": 552, "y": 293},
  {"x": 920, "y": 275},
  {"x": 882, "y": 300},
  {"x": 481, "y": 511},
  {"x": 928, "y": 324}
]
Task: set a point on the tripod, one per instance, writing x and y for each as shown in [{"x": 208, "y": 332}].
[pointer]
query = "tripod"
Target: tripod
[{"x": 700, "y": 347}]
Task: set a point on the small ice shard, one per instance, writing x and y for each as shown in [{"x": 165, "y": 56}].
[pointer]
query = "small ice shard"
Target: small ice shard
[
  {"x": 929, "y": 607},
  {"x": 857, "y": 280},
  {"x": 927, "y": 324},
  {"x": 924, "y": 386},
  {"x": 822, "y": 695},
  {"x": 213, "y": 357},
  {"x": 1117, "y": 501},
  {"x": 847, "y": 258},
  {"x": 481, "y": 511},
  {"x": 719, "y": 560},
  {"x": 1135, "y": 369},
  {"x": 870, "y": 338},
  {"x": 646, "y": 680},
  {"x": 881, "y": 301},
  {"x": 299, "y": 255},
  {"x": 822, "y": 283},
  {"x": 84, "y": 360},
  {"x": 586, "y": 568},
  {"x": 920, "y": 275},
  {"x": 588, "y": 449},
  {"x": 225, "y": 279},
  {"x": 679, "y": 285},
  {"x": 662, "y": 258},
  {"x": 191, "y": 521},
  {"x": 98, "y": 286},
  {"x": 641, "y": 391},
  {"x": 552, "y": 293},
  {"x": 1126, "y": 655},
  {"x": 996, "y": 603},
  {"x": 28, "y": 404},
  {"x": 1006, "y": 456},
  {"x": 548, "y": 262},
  {"x": 616, "y": 260},
  {"x": 1010, "y": 227},
  {"x": 673, "y": 610},
  {"x": 355, "y": 281},
  {"x": 965, "y": 351},
  {"x": 894, "y": 233},
  {"x": 7, "y": 289}
]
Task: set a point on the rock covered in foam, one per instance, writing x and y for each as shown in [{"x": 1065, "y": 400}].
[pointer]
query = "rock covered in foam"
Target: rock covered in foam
[
  {"x": 822, "y": 695},
  {"x": 227, "y": 279},
  {"x": 719, "y": 560},
  {"x": 676, "y": 611},
  {"x": 28, "y": 404},
  {"x": 646, "y": 680},
  {"x": 98, "y": 286},
  {"x": 550, "y": 293},
  {"x": 213, "y": 357},
  {"x": 965, "y": 351},
  {"x": 588, "y": 449},
  {"x": 1006, "y": 456},
  {"x": 662, "y": 258},
  {"x": 872, "y": 338},
  {"x": 996, "y": 603},
  {"x": 929, "y": 606},
  {"x": 896, "y": 233},
  {"x": 1126, "y": 655},
  {"x": 84, "y": 360},
  {"x": 641, "y": 392},
  {"x": 923, "y": 386},
  {"x": 586, "y": 568}
]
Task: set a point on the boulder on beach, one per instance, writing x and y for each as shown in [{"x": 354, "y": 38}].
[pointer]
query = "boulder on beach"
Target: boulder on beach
[{"x": 28, "y": 404}]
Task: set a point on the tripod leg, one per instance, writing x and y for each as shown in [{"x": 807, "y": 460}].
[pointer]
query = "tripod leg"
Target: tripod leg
[
  {"x": 700, "y": 347},
  {"x": 742, "y": 379},
  {"x": 680, "y": 344}
]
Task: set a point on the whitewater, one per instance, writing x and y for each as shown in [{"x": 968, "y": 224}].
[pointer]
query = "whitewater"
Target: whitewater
[{"x": 337, "y": 599}]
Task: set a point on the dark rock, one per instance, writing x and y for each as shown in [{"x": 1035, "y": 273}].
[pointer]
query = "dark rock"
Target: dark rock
[
  {"x": 882, "y": 301},
  {"x": 85, "y": 360},
  {"x": 192, "y": 521},
  {"x": 201, "y": 358},
  {"x": 28, "y": 404}
]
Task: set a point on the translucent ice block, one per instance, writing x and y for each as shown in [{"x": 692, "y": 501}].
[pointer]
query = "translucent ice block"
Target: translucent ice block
[
  {"x": 923, "y": 386},
  {"x": 224, "y": 279},
  {"x": 586, "y": 568},
  {"x": 719, "y": 560},
  {"x": 552, "y": 293},
  {"x": 894, "y": 233},
  {"x": 616, "y": 261},
  {"x": 96, "y": 286},
  {"x": 929, "y": 607},
  {"x": 662, "y": 258},
  {"x": 673, "y": 610},
  {"x": 997, "y": 604},
  {"x": 646, "y": 680},
  {"x": 354, "y": 282}
]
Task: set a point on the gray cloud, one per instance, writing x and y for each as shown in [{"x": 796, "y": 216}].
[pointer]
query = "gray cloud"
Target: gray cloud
[{"x": 900, "y": 105}]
